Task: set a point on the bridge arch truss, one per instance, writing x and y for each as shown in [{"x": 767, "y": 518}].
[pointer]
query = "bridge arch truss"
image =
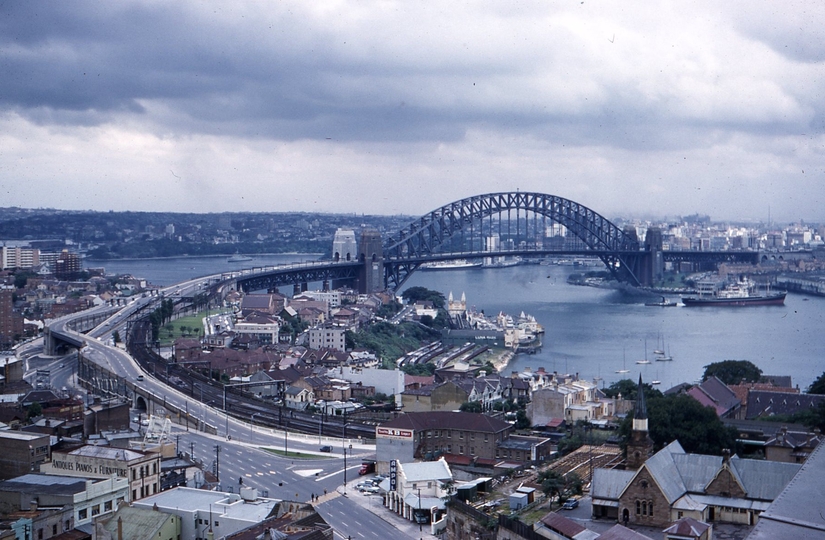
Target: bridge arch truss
[{"x": 519, "y": 219}]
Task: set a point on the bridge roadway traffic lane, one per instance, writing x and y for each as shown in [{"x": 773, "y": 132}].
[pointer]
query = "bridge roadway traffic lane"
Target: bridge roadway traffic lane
[{"x": 299, "y": 479}]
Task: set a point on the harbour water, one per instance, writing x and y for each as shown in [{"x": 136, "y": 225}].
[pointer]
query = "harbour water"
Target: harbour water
[{"x": 592, "y": 331}]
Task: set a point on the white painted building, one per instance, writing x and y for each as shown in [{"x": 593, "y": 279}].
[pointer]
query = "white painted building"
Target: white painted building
[
  {"x": 420, "y": 490},
  {"x": 203, "y": 511},
  {"x": 385, "y": 381},
  {"x": 327, "y": 337}
]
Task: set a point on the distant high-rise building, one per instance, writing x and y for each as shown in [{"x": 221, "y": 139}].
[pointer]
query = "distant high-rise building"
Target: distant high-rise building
[
  {"x": 19, "y": 257},
  {"x": 11, "y": 322},
  {"x": 344, "y": 247},
  {"x": 67, "y": 266}
]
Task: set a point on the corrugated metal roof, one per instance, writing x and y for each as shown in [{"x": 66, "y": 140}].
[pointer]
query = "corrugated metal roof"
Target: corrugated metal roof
[
  {"x": 610, "y": 483},
  {"x": 795, "y": 512},
  {"x": 697, "y": 470},
  {"x": 618, "y": 532},
  {"x": 426, "y": 470},
  {"x": 561, "y": 524},
  {"x": 106, "y": 452},
  {"x": 138, "y": 522},
  {"x": 731, "y": 502},
  {"x": 664, "y": 471},
  {"x": 764, "y": 479},
  {"x": 689, "y": 504}
]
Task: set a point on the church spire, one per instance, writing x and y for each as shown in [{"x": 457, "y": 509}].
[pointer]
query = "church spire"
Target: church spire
[
  {"x": 640, "y": 446},
  {"x": 640, "y": 412}
]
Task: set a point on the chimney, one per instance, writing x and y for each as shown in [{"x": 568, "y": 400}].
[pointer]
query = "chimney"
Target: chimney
[
  {"x": 726, "y": 455},
  {"x": 119, "y": 528},
  {"x": 33, "y": 505}
]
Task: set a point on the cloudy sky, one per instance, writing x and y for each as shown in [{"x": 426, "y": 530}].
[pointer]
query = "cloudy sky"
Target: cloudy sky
[{"x": 386, "y": 107}]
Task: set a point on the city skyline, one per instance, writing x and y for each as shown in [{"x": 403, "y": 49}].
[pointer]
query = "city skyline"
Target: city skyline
[{"x": 393, "y": 108}]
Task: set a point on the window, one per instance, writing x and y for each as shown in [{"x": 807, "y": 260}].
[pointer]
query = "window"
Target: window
[
  {"x": 54, "y": 528},
  {"x": 107, "y": 506},
  {"x": 217, "y": 524},
  {"x": 460, "y": 434},
  {"x": 638, "y": 507},
  {"x": 461, "y": 449},
  {"x": 134, "y": 494},
  {"x": 40, "y": 534},
  {"x": 82, "y": 514},
  {"x": 485, "y": 437},
  {"x": 644, "y": 508},
  {"x": 96, "y": 510},
  {"x": 650, "y": 509},
  {"x": 414, "y": 485}
]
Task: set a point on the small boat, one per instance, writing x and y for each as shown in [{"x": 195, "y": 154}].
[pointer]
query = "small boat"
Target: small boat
[
  {"x": 238, "y": 258},
  {"x": 624, "y": 368},
  {"x": 664, "y": 303},
  {"x": 645, "y": 361},
  {"x": 655, "y": 382},
  {"x": 661, "y": 356}
]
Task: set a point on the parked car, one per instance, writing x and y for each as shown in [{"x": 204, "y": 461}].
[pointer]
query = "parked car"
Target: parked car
[
  {"x": 570, "y": 504},
  {"x": 326, "y": 448},
  {"x": 370, "y": 490}
]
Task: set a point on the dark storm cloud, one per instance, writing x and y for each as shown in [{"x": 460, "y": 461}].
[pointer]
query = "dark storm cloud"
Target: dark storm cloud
[
  {"x": 684, "y": 104},
  {"x": 108, "y": 58}
]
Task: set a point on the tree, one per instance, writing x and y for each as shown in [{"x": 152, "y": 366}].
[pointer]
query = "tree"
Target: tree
[
  {"x": 470, "y": 406},
  {"x": 818, "y": 386},
  {"x": 733, "y": 371},
  {"x": 35, "y": 410},
  {"x": 414, "y": 294},
  {"x": 628, "y": 389},
  {"x": 554, "y": 483},
  {"x": 116, "y": 336},
  {"x": 522, "y": 421},
  {"x": 680, "y": 417}
]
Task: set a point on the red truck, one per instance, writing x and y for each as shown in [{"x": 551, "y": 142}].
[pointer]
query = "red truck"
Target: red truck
[{"x": 367, "y": 467}]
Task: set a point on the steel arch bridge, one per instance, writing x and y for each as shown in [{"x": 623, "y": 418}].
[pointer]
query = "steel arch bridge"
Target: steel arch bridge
[{"x": 462, "y": 227}]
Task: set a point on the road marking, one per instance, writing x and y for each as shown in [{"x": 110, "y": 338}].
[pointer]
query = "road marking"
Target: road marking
[{"x": 307, "y": 472}]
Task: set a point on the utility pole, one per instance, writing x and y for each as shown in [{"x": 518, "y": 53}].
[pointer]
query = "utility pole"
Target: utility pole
[
  {"x": 344, "y": 445},
  {"x": 192, "y": 450}
]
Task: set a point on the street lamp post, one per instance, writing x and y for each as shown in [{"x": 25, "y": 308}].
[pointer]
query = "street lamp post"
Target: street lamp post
[{"x": 344, "y": 445}]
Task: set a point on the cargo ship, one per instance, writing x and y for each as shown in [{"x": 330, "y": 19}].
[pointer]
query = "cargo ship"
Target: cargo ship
[{"x": 738, "y": 295}]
